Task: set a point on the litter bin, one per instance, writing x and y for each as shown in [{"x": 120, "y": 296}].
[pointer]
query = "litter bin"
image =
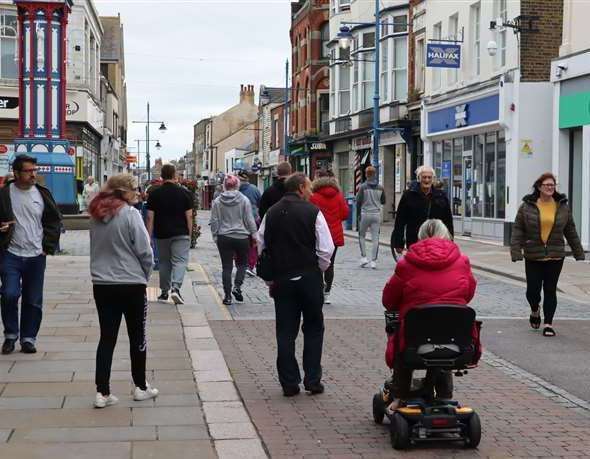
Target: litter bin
[{"x": 351, "y": 201}]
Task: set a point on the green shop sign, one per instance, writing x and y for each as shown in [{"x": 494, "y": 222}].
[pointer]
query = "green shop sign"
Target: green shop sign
[{"x": 574, "y": 110}]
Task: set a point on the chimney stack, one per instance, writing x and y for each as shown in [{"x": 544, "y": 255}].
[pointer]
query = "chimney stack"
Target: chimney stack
[{"x": 247, "y": 94}]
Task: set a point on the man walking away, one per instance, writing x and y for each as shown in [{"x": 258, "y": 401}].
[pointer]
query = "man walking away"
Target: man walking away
[
  {"x": 29, "y": 230},
  {"x": 369, "y": 202},
  {"x": 276, "y": 191},
  {"x": 253, "y": 194},
  {"x": 170, "y": 220},
  {"x": 300, "y": 247}
]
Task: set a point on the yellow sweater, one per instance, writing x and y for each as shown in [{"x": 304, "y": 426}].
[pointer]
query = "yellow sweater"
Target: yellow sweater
[{"x": 547, "y": 211}]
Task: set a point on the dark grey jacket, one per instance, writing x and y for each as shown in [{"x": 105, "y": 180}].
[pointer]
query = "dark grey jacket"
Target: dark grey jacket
[
  {"x": 51, "y": 219},
  {"x": 526, "y": 232}
]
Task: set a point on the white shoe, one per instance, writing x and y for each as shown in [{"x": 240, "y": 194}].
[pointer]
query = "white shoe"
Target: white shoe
[
  {"x": 147, "y": 394},
  {"x": 250, "y": 272},
  {"x": 101, "y": 401},
  {"x": 373, "y": 265},
  {"x": 327, "y": 298},
  {"x": 364, "y": 262}
]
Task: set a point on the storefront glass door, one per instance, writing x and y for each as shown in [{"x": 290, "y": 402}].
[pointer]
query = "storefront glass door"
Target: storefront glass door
[
  {"x": 467, "y": 190},
  {"x": 575, "y": 181}
]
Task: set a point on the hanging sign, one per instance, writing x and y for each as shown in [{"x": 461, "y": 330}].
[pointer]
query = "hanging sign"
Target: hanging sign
[{"x": 442, "y": 55}]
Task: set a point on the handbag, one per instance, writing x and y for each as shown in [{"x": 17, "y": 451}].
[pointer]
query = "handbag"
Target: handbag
[{"x": 264, "y": 266}]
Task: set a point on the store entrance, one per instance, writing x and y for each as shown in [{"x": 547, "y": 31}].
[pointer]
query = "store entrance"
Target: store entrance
[{"x": 467, "y": 193}]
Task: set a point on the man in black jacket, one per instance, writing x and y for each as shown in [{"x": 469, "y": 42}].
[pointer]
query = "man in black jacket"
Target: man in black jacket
[
  {"x": 276, "y": 191},
  {"x": 298, "y": 240},
  {"x": 419, "y": 203},
  {"x": 29, "y": 231}
]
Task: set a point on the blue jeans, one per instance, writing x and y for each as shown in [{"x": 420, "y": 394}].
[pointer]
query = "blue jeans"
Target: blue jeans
[{"x": 24, "y": 276}]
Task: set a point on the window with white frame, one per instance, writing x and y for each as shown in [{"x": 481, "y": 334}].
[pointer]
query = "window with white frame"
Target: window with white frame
[
  {"x": 8, "y": 33},
  {"x": 476, "y": 38},
  {"x": 400, "y": 68},
  {"x": 333, "y": 69},
  {"x": 400, "y": 24},
  {"x": 367, "y": 79},
  {"x": 384, "y": 70},
  {"x": 453, "y": 74},
  {"x": 501, "y": 12},
  {"x": 344, "y": 83},
  {"x": 419, "y": 70},
  {"x": 436, "y": 73},
  {"x": 355, "y": 85}
]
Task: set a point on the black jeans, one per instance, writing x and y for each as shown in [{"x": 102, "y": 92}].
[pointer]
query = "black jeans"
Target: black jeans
[
  {"x": 441, "y": 380},
  {"x": 543, "y": 275},
  {"x": 329, "y": 274},
  {"x": 228, "y": 248},
  {"x": 292, "y": 300},
  {"x": 112, "y": 302}
]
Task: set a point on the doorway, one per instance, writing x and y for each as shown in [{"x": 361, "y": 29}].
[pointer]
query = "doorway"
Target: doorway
[
  {"x": 467, "y": 193},
  {"x": 575, "y": 176}
]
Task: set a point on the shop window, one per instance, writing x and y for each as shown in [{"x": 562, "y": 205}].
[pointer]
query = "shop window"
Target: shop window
[
  {"x": 457, "y": 191},
  {"x": 490, "y": 176},
  {"x": 437, "y": 159},
  {"x": 478, "y": 176},
  {"x": 501, "y": 177}
]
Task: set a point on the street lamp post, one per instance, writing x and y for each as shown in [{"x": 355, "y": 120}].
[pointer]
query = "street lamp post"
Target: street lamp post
[
  {"x": 147, "y": 141},
  {"x": 147, "y": 134}
]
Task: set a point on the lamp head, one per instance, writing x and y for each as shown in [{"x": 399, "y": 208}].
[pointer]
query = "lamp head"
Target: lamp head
[{"x": 344, "y": 37}]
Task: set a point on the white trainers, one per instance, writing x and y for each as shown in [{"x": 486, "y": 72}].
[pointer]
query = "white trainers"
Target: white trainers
[
  {"x": 364, "y": 262},
  {"x": 373, "y": 265},
  {"x": 101, "y": 401},
  {"x": 147, "y": 394},
  {"x": 327, "y": 298},
  {"x": 250, "y": 272}
]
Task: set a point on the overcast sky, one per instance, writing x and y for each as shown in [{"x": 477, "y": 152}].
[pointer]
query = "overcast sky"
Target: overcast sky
[{"x": 189, "y": 57}]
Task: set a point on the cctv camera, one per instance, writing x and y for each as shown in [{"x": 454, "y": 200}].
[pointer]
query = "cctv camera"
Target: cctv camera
[
  {"x": 492, "y": 48},
  {"x": 562, "y": 66}
]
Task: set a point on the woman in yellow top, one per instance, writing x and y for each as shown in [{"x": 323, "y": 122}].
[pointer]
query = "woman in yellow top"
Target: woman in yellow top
[{"x": 543, "y": 221}]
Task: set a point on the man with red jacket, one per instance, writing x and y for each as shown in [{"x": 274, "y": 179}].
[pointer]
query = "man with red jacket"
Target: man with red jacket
[
  {"x": 330, "y": 200},
  {"x": 433, "y": 272}
]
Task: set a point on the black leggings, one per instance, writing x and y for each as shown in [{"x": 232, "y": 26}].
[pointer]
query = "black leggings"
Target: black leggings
[
  {"x": 112, "y": 302},
  {"x": 329, "y": 273},
  {"x": 543, "y": 275},
  {"x": 228, "y": 248}
]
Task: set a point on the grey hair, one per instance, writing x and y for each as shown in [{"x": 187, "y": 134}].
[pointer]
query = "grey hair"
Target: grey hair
[
  {"x": 423, "y": 169},
  {"x": 433, "y": 228}
]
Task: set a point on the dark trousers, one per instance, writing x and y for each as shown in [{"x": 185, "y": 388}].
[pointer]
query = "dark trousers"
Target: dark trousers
[
  {"x": 113, "y": 302},
  {"x": 292, "y": 300},
  {"x": 22, "y": 276},
  {"x": 229, "y": 248},
  {"x": 543, "y": 275},
  {"x": 329, "y": 274},
  {"x": 441, "y": 380}
]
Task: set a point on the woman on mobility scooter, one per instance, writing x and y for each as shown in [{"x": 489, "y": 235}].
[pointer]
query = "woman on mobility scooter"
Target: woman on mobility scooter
[{"x": 433, "y": 272}]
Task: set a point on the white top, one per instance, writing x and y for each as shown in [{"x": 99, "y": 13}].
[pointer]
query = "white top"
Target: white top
[
  {"x": 324, "y": 246},
  {"x": 27, "y": 206}
]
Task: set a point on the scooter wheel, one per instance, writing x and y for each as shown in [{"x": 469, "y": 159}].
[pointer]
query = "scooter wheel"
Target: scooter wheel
[
  {"x": 378, "y": 408},
  {"x": 400, "y": 432},
  {"x": 473, "y": 431}
]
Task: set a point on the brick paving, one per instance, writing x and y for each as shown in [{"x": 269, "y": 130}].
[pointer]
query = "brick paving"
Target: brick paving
[{"x": 518, "y": 421}]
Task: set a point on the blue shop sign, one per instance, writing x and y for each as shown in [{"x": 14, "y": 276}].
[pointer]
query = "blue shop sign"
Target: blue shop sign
[
  {"x": 442, "y": 55},
  {"x": 469, "y": 114},
  {"x": 446, "y": 169}
]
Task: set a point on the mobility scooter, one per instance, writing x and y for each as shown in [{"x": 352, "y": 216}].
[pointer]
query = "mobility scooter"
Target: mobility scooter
[{"x": 436, "y": 338}]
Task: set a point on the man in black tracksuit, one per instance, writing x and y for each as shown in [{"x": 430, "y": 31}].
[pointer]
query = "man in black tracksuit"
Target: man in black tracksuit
[
  {"x": 419, "y": 203},
  {"x": 276, "y": 191},
  {"x": 298, "y": 240}
]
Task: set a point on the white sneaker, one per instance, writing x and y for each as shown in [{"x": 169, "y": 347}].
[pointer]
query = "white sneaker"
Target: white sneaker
[
  {"x": 147, "y": 394},
  {"x": 175, "y": 296},
  {"x": 250, "y": 272},
  {"x": 373, "y": 265},
  {"x": 101, "y": 401},
  {"x": 327, "y": 298},
  {"x": 364, "y": 262}
]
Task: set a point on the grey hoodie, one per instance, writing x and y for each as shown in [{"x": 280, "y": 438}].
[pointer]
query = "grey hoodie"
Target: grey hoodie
[
  {"x": 370, "y": 198},
  {"x": 231, "y": 216},
  {"x": 120, "y": 250}
]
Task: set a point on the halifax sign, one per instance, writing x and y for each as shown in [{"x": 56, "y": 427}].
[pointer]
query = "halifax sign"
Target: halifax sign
[{"x": 443, "y": 56}]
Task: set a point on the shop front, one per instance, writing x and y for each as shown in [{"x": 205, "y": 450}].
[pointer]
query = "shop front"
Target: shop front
[
  {"x": 395, "y": 170},
  {"x": 571, "y": 142},
  {"x": 465, "y": 144}
]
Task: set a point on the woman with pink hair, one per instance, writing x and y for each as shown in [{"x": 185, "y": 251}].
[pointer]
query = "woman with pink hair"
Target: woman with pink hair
[{"x": 232, "y": 225}]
